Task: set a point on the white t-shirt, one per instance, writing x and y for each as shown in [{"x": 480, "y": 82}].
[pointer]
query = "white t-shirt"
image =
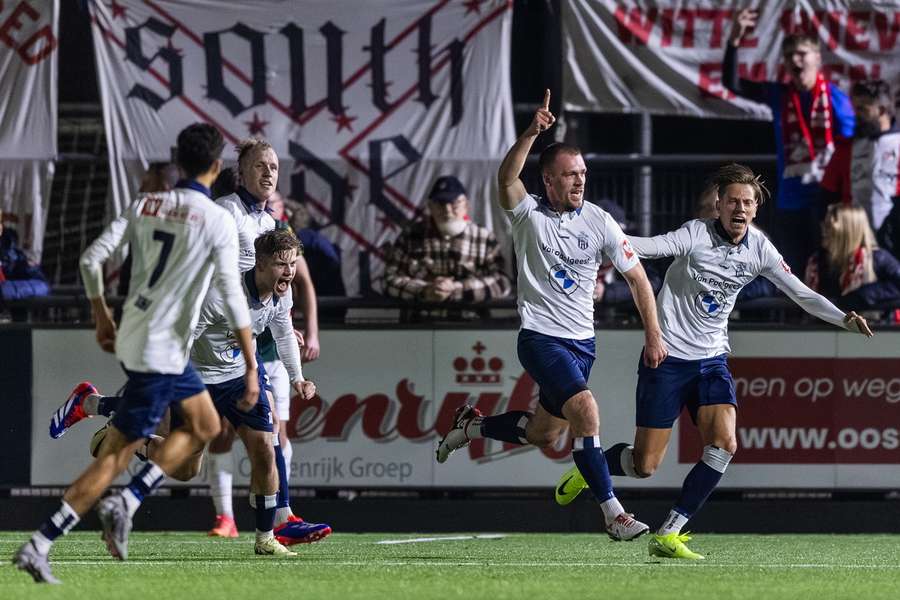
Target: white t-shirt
[
  {"x": 177, "y": 240},
  {"x": 251, "y": 224},
  {"x": 558, "y": 256},
  {"x": 216, "y": 354},
  {"x": 703, "y": 282}
]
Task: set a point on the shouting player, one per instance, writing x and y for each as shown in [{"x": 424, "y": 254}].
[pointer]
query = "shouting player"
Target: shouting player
[
  {"x": 714, "y": 259},
  {"x": 560, "y": 241}
]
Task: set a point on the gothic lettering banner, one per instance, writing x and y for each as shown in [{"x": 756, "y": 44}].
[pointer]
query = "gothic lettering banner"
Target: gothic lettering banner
[
  {"x": 365, "y": 108},
  {"x": 665, "y": 56}
]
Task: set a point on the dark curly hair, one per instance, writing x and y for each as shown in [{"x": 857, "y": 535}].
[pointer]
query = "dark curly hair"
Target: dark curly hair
[{"x": 199, "y": 146}]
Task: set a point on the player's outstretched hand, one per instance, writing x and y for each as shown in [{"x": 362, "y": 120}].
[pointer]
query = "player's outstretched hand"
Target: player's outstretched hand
[
  {"x": 744, "y": 21},
  {"x": 543, "y": 118},
  {"x": 857, "y": 324},
  {"x": 655, "y": 351},
  {"x": 251, "y": 390}
]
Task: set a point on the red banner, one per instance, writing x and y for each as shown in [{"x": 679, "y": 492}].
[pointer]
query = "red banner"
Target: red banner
[{"x": 811, "y": 410}]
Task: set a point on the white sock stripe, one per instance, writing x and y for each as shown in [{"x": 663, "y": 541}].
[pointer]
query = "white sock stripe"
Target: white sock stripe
[
  {"x": 268, "y": 501},
  {"x": 524, "y": 441},
  {"x": 153, "y": 476},
  {"x": 523, "y": 422},
  {"x": 581, "y": 443},
  {"x": 716, "y": 458}
]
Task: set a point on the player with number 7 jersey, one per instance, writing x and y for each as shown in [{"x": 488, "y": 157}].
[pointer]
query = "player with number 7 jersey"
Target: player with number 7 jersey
[{"x": 180, "y": 240}]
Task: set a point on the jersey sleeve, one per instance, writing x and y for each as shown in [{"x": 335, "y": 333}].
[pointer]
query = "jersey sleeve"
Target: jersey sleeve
[
  {"x": 209, "y": 312},
  {"x": 520, "y": 211},
  {"x": 617, "y": 247},
  {"x": 226, "y": 278},
  {"x": 99, "y": 251},
  {"x": 283, "y": 333},
  {"x": 776, "y": 270},
  {"x": 675, "y": 243}
]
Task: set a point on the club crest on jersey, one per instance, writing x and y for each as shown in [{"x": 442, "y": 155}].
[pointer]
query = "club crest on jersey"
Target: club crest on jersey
[
  {"x": 583, "y": 241},
  {"x": 561, "y": 280},
  {"x": 710, "y": 303}
]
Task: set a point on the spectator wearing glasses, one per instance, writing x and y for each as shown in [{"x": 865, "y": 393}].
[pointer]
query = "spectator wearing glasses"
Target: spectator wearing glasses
[{"x": 444, "y": 256}]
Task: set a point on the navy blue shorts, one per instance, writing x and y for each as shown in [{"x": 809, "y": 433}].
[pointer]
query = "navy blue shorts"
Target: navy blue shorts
[
  {"x": 227, "y": 394},
  {"x": 662, "y": 392},
  {"x": 147, "y": 396},
  {"x": 560, "y": 367}
]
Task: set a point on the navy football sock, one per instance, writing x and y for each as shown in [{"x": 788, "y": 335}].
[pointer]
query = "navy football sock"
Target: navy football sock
[
  {"x": 60, "y": 523},
  {"x": 613, "y": 457},
  {"x": 507, "y": 427},
  {"x": 142, "y": 485},
  {"x": 702, "y": 480},
  {"x": 106, "y": 405},
  {"x": 284, "y": 494},
  {"x": 588, "y": 456},
  {"x": 264, "y": 507}
]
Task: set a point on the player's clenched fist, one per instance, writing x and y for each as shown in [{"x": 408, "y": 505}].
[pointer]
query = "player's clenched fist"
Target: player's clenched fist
[
  {"x": 306, "y": 389},
  {"x": 543, "y": 118}
]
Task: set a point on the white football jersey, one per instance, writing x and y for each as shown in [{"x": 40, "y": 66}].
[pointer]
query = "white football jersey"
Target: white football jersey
[
  {"x": 177, "y": 240},
  {"x": 703, "y": 282},
  {"x": 251, "y": 223},
  {"x": 558, "y": 257},
  {"x": 216, "y": 354},
  {"x": 875, "y": 174}
]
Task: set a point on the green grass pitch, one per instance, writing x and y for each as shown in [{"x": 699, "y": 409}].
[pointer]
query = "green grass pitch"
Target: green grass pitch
[{"x": 176, "y": 566}]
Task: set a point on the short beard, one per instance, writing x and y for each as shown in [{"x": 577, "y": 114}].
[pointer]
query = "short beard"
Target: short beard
[{"x": 451, "y": 228}]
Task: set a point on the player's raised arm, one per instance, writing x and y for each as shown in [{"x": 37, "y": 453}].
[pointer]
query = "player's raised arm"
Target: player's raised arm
[
  {"x": 673, "y": 243},
  {"x": 512, "y": 190},
  {"x": 779, "y": 273}
]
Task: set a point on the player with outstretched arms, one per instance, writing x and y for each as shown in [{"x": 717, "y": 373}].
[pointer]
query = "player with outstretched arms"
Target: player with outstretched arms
[
  {"x": 219, "y": 363},
  {"x": 180, "y": 241},
  {"x": 560, "y": 241},
  {"x": 714, "y": 260}
]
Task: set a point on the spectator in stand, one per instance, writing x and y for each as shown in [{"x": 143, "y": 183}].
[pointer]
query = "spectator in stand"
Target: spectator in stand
[
  {"x": 889, "y": 234},
  {"x": 809, "y": 115},
  {"x": 849, "y": 265},
  {"x": 322, "y": 256},
  {"x": 865, "y": 170},
  {"x": 444, "y": 256},
  {"x": 611, "y": 287},
  {"x": 19, "y": 279}
]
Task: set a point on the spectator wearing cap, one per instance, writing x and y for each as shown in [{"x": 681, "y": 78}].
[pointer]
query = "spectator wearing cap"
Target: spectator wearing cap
[{"x": 444, "y": 256}]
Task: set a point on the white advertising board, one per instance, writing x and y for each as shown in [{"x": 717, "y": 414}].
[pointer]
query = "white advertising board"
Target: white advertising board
[{"x": 817, "y": 410}]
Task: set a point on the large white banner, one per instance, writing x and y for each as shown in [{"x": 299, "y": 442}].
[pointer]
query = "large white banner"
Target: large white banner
[
  {"x": 28, "y": 66},
  {"x": 365, "y": 103},
  {"x": 817, "y": 410},
  {"x": 665, "y": 56}
]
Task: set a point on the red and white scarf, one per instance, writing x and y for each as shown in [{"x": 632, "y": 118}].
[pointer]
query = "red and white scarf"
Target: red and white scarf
[{"x": 807, "y": 146}]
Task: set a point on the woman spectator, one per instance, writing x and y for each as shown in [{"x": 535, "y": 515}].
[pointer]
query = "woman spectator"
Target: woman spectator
[{"x": 850, "y": 265}]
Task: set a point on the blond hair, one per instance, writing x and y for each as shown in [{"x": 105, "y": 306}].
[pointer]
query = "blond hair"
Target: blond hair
[
  {"x": 850, "y": 231},
  {"x": 247, "y": 147}
]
